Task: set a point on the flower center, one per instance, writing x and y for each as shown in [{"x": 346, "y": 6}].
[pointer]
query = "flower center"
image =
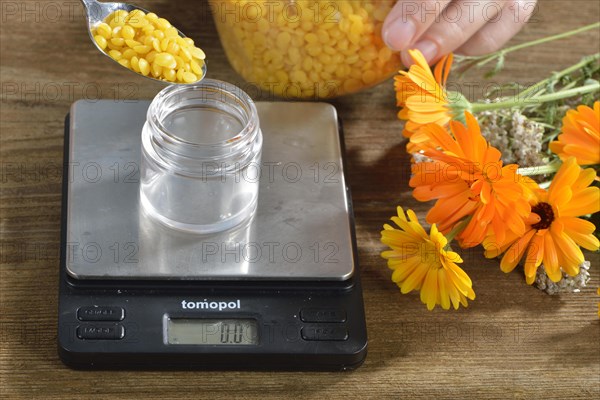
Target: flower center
[{"x": 544, "y": 210}]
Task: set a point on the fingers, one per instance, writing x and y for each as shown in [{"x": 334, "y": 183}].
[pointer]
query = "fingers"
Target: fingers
[
  {"x": 460, "y": 21},
  {"x": 495, "y": 34},
  {"x": 439, "y": 27},
  {"x": 408, "y": 20}
]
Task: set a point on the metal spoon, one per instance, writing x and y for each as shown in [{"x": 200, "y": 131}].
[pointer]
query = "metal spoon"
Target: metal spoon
[{"x": 97, "y": 12}]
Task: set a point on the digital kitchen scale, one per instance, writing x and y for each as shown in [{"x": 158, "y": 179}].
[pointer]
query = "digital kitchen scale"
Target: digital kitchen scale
[{"x": 280, "y": 292}]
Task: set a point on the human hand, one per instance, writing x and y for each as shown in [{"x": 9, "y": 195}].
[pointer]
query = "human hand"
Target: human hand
[{"x": 468, "y": 27}]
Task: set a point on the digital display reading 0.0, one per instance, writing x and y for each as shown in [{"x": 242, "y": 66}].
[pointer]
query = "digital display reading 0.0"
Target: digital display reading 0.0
[{"x": 212, "y": 331}]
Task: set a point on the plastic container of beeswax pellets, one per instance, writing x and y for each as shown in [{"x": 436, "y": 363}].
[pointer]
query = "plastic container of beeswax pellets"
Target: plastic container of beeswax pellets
[{"x": 306, "y": 49}]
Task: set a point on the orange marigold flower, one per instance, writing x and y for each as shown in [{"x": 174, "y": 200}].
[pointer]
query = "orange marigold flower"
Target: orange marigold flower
[
  {"x": 423, "y": 262},
  {"x": 580, "y": 135},
  {"x": 554, "y": 232},
  {"x": 422, "y": 95},
  {"x": 467, "y": 178}
]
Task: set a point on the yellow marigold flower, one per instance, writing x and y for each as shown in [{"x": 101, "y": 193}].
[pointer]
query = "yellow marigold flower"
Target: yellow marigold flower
[
  {"x": 467, "y": 178},
  {"x": 554, "y": 232},
  {"x": 580, "y": 135},
  {"x": 423, "y": 262},
  {"x": 422, "y": 95}
]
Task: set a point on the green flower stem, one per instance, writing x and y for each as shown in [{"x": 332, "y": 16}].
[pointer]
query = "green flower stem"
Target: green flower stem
[
  {"x": 540, "y": 170},
  {"x": 458, "y": 228},
  {"x": 556, "y": 76},
  {"x": 517, "y": 102},
  {"x": 489, "y": 57}
]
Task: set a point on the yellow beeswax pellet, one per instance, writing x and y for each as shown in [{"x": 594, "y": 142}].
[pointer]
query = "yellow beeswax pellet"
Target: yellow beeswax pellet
[
  {"x": 117, "y": 41},
  {"x": 263, "y": 25},
  {"x": 129, "y": 53},
  {"x": 180, "y": 62},
  {"x": 127, "y": 32},
  {"x": 104, "y": 30},
  {"x": 165, "y": 43},
  {"x": 313, "y": 49},
  {"x": 148, "y": 29},
  {"x": 111, "y": 46},
  {"x": 172, "y": 48},
  {"x": 189, "y": 77},
  {"x": 196, "y": 68},
  {"x": 142, "y": 49},
  {"x": 120, "y": 15},
  {"x": 100, "y": 41},
  {"x": 137, "y": 19},
  {"x": 311, "y": 38},
  {"x": 294, "y": 55},
  {"x": 113, "y": 23},
  {"x": 144, "y": 67},
  {"x": 165, "y": 60},
  {"x": 298, "y": 76},
  {"x": 151, "y": 56},
  {"x": 150, "y": 46},
  {"x": 185, "y": 55},
  {"x": 155, "y": 43},
  {"x": 171, "y": 32},
  {"x": 198, "y": 53},
  {"x": 162, "y": 24},
  {"x": 329, "y": 50},
  {"x": 135, "y": 64},
  {"x": 170, "y": 74},
  {"x": 385, "y": 54},
  {"x": 283, "y": 40},
  {"x": 369, "y": 77},
  {"x": 116, "y": 31},
  {"x": 132, "y": 43},
  {"x": 282, "y": 77},
  {"x": 116, "y": 54},
  {"x": 156, "y": 70}
]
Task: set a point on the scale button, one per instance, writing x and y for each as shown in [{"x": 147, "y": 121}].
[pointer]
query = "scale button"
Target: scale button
[
  {"x": 100, "y": 313},
  {"x": 323, "y": 315},
  {"x": 324, "y": 332},
  {"x": 101, "y": 331}
]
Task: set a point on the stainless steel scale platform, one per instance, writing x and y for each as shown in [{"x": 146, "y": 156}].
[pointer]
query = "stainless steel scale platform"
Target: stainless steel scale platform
[{"x": 290, "y": 273}]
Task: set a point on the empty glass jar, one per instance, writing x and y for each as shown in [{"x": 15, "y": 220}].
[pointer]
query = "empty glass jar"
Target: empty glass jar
[
  {"x": 307, "y": 49},
  {"x": 201, "y": 150}
]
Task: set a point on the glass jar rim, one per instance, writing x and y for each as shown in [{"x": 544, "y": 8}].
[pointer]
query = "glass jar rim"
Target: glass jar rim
[{"x": 213, "y": 85}]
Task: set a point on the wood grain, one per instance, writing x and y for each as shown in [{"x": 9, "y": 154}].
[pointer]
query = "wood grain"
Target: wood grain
[{"x": 512, "y": 342}]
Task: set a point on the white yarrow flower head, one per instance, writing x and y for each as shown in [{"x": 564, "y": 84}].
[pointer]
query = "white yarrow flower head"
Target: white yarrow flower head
[
  {"x": 518, "y": 138},
  {"x": 568, "y": 284}
]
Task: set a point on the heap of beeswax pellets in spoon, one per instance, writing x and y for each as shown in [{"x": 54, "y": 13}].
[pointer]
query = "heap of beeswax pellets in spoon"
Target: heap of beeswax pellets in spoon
[{"x": 150, "y": 46}]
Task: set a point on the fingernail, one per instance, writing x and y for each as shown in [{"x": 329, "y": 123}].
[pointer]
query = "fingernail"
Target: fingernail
[
  {"x": 399, "y": 33},
  {"x": 428, "y": 48}
]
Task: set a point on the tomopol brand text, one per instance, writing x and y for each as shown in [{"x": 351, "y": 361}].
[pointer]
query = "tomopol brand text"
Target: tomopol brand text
[{"x": 212, "y": 305}]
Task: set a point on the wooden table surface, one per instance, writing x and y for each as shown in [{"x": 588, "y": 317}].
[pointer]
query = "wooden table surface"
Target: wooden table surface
[{"x": 513, "y": 341}]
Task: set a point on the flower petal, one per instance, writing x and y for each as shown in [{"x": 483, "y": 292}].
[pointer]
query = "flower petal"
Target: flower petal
[
  {"x": 515, "y": 252},
  {"x": 534, "y": 257},
  {"x": 429, "y": 291},
  {"x": 443, "y": 283}
]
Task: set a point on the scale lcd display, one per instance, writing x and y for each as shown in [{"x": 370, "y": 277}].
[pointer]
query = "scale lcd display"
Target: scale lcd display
[{"x": 224, "y": 332}]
